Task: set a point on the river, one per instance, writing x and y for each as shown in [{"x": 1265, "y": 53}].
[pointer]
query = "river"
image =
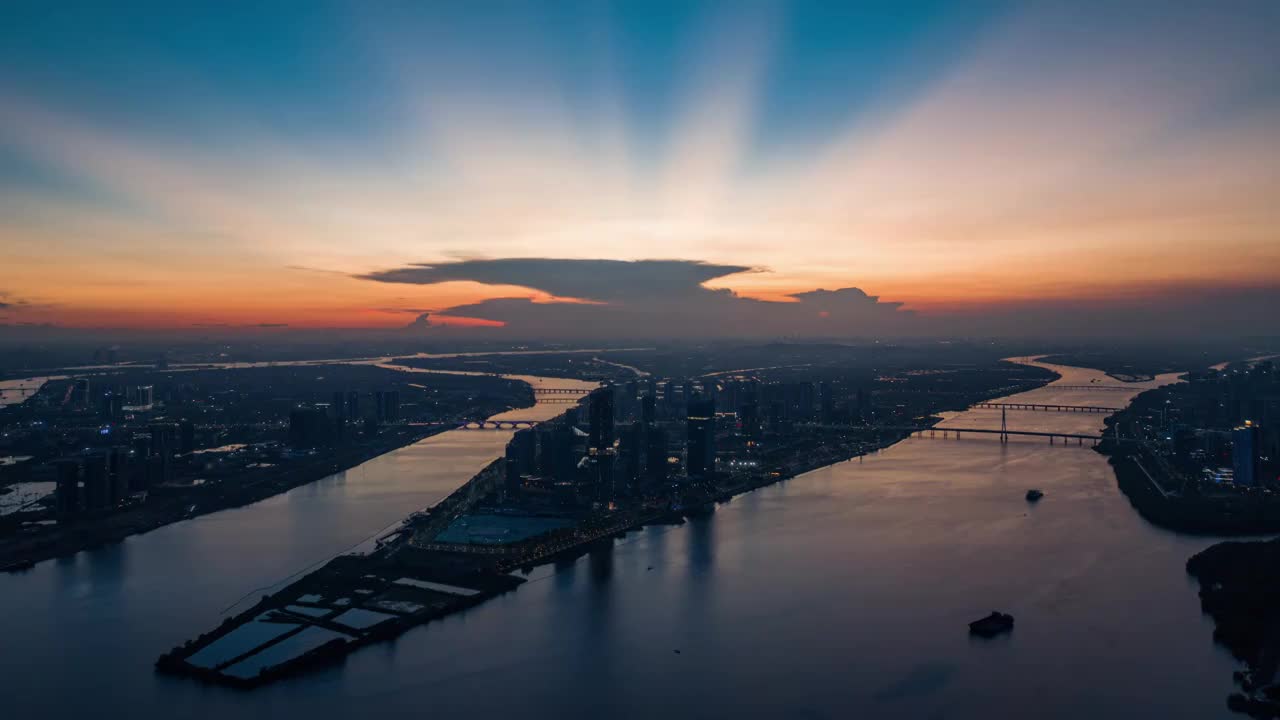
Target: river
[{"x": 843, "y": 592}]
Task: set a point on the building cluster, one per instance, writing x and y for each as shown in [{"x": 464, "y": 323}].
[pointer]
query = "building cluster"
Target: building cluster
[
  {"x": 661, "y": 440},
  {"x": 105, "y": 443},
  {"x": 102, "y": 479},
  {"x": 1221, "y": 430},
  {"x": 325, "y": 425}
]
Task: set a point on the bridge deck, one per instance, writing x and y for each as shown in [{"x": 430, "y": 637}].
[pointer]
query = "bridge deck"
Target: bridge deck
[{"x": 1047, "y": 407}]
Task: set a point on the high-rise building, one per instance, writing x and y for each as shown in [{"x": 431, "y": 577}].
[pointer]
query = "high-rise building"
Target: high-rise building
[
  {"x": 648, "y": 409},
  {"x": 862, "y": 409},
  {"x": 700, "y": 455},
  {"x": 353, "y": 405},
  {"x": 80, "y": 393},
  {"x": 626, "y": 409},
  {"x": 67, "y": 490},
  {"x": 520, "y": 458},
  {"x": 669, "y": 405},
  {"x": 97, "y": 482},
  {"x": 309, "y": 427},
  {"x": 186, "y": 437},
  {"x": 655, "y": 456},
  {"x": 112, "y": 406},
  {"x": 140, "y": 463},
  {"x": 1244, "y": 454},
  {"x": 555, "y": 452},
  {"x": 805, "y": 395},
  {"x": 119, "y": 472},
  {"x": 144, "y": 395},
  {"x": 631, "y": 450},
  {"x": 774, "y": 416},
  {"x": 387, "y": 405},
  {"x": 523, "y": 450},
  {"x": 600, "y": 419},
  {"x": 827, "y": 404},
  {"x": 749, "y": 419},
  {"x": 164, "y": 438}
]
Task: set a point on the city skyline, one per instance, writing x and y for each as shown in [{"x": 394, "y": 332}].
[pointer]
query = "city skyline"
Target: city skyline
[{"x": 1002, "y": 168}]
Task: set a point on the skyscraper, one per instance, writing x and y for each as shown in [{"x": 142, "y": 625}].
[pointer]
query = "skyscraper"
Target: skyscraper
[
  {"x": 520, "y": 458},
  {"x": 630, "y": 455},
  {"x": 309, "y": 427},
  {"x": 749, "y": 419},
  {"x": 186, "y": 437},
  {"x": 555, "y": 452},
  {"x": 112, "y": 406},
  {"x": 80, "y": 393},
  {"x": 97, "y": 482},
  {"x": 700, "y": 458},
  {"x": 669, "y": 399},
  {"x": 1244, "y": 454},
  {"x": 67, "y": 490},
  {"x": 655, "y": 456},
  {"x": 600, "y": 419},
  {"x": 387, "y": 405}
]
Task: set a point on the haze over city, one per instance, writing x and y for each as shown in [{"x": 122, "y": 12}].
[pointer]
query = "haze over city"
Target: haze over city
[{"x": 986, "y": 167}]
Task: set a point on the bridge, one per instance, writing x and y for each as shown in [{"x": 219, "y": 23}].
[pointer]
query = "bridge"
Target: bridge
[
  {"x": 1099, "y": 409},
  {"x": 1112, "y": 388},
  {"x": 514, "y": 424},
  {"x": 944, "y": 432},
  {"x": 557, "y": 401},
  {"x": 558, "y": 391},
  {"x": 948, "y": 432},
  {"x": 498, "y": 424}
]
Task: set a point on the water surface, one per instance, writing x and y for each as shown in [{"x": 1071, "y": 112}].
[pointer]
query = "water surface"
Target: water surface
[{"x": 844, "y": 592}]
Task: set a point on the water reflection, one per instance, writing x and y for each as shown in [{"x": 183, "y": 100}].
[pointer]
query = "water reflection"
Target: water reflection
[{"x": 844, "y": 592}]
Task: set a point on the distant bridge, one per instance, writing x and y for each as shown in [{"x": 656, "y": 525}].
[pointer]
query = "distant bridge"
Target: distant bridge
[
  {"x": 1099, "y": 409},
  {"x": 1112, "y": 388},
  {"x": 944, "y": 432},
  {"x": 498, "y": 424},
  {"x": 558, "y": 391},
  {"x": 947, "y": 432},
  {"x": 557, "y": 401},
  {"x": 517, "y": 424}
]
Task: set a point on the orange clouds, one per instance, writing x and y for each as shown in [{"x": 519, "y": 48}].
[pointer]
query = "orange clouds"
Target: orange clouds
[{"x": 1055, "y": 162}]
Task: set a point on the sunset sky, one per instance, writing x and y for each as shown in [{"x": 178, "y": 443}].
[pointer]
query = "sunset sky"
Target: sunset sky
[{"x": 358, "y": 164}]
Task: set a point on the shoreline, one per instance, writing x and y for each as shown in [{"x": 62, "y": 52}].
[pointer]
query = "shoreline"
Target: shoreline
[
  {"x": 400, "y": 558},
  {"x": 20, "y": 554},
  {"x": 484, "y": 572}
]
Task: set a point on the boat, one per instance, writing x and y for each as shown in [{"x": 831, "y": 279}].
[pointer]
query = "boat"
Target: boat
[
  {"x": 1034, "y": 495},
  {"x": 992, "y": 625}
]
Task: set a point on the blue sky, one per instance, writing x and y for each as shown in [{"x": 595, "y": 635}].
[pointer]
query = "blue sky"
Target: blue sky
[{"x": 952, "y": 156}]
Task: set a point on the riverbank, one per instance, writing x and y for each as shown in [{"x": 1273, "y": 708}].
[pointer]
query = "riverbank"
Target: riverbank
[
  {"x": 397, "y": 586},
  {"x": 21, "y": 553},
  {"x": 1161, "y": 504},
  {"x": 1240, "y": 590}
]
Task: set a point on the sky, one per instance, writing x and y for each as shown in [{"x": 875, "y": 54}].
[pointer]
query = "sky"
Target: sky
[{"x": 684, "y": 168}]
